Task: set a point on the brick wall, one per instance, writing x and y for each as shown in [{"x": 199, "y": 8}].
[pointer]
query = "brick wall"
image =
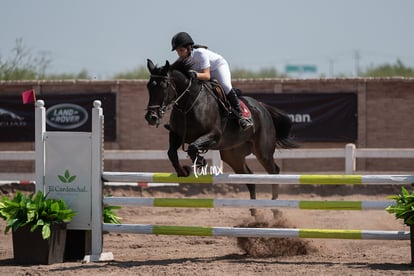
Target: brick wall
[{"x": 384, "y": 119}]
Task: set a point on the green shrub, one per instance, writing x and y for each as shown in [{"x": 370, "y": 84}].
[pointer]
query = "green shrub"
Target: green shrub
[
  {"x": 35, "y": 210},
  {"x": 404, "y": 208}
]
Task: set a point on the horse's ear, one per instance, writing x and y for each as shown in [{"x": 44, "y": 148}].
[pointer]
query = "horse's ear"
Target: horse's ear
[
  {"x": 150, "y": 65},
  {"x": 165, "y": 68}
]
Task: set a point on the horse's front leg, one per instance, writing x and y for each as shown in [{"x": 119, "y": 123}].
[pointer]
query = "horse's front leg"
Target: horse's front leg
[
  {"x": 204, "y": 142},
  {"x": 174, "y": 143}
]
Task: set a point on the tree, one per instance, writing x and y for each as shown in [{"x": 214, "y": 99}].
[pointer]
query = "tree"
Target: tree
[
  {"x": 389, "y": 70},
  {"x": 65, "y": 76},
  {"x": 142, "y": 73},
  {"x": 138, "y": 73},
  {"x": 239, "y": 73},
  {"x": 22, "y": 65}
]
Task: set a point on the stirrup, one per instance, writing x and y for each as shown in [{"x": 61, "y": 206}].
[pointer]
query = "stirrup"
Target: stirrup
[{"x": 245, "y": 123}]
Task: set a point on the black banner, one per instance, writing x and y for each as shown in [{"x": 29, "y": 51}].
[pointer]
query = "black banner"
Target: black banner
[
  {"x": 318, "y": 117},
  {"x": 69, "y": 112}
]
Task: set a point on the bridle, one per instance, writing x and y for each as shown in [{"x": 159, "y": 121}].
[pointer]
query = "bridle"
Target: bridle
[{"x": 161, "y": 109}]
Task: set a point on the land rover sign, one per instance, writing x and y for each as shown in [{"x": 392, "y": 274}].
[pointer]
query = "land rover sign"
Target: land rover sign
[
  {"x": 67, "y": 112},
  {"x": 66, "y": 116}
]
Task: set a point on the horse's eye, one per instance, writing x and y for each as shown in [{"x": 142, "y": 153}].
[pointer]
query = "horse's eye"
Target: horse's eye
[{"x": 154, "y": 83}]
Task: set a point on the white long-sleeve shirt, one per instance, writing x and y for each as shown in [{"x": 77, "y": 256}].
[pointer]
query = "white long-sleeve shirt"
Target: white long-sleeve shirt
[{"x": 202, "y": 58}]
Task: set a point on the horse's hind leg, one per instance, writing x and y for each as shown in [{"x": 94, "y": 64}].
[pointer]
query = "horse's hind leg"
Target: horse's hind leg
[
  {"x": 273, "y": 169},
  {"x": 235, "y": 158},
  {"x": 266, "y": 160}
]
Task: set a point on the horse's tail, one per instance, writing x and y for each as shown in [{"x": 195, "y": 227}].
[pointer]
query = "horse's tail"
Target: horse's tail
[{"x": 283, "y": 125}]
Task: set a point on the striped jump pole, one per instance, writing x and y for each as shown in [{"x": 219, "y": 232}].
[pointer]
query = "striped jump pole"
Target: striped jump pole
[
  {"x": 247, "y": 203},
  {"x": 142, "y": 184},
  {"x": 17, "y": 182},
  {"x": 258, "y": 178},
  {"x": 257, "y": 232},
  {"x": 134, "y": 184}
]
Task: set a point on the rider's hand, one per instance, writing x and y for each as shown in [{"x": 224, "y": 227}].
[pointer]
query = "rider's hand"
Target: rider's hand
[{"x": 192, "y": 74}]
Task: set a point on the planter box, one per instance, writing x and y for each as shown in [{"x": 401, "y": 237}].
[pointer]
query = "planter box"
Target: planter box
[
  {"x": 78, "y": 244},
  {"x": 31, "y": 248},
  {"x": 412, "y": 244}
]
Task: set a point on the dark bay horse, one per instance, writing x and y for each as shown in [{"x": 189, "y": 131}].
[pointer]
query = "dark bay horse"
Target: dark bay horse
[{"x": 199, "y": 120}]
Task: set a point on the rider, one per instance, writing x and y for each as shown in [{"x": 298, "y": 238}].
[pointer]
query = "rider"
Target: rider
[{"x": 208, "y": 65}]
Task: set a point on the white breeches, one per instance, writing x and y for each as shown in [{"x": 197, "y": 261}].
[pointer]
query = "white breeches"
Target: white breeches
[{"x": 223, "y": 75}]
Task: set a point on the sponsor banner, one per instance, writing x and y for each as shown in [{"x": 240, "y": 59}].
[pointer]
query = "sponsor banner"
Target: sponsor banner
[
  {"x": 317, "y": 117},
  {"x": 16, "y": 119},
  {"x": 70, "y": 112}
]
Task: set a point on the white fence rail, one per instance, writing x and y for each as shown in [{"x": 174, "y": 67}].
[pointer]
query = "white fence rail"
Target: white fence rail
[{"x": 350, "y": 153}]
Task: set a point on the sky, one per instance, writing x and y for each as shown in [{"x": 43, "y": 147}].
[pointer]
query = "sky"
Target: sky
[{"x": 106, "y": 37}]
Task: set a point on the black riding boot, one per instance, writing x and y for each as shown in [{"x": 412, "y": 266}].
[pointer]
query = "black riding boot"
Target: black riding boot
[{"x": 234, "y": 102}]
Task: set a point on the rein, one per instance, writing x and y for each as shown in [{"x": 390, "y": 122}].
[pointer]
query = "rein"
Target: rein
[
  {"x": 183, "y": 93},
  {"x": 192, "y": 104}
]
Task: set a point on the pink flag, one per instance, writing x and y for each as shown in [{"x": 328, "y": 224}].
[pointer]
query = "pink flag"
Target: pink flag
[{"x": 28, "y": 96}]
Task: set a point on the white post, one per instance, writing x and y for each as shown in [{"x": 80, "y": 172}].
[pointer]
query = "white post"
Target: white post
[
  {"x": 350, "y": 159},
  {"x": 96, "y": 196},
  {"x": 40, "y": 129}
]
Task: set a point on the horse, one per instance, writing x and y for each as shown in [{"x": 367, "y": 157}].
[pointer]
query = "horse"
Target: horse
[{"x": 198, "y": 118}]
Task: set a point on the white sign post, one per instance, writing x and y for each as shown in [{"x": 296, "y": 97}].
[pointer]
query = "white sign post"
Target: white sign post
[{"x": 68, "y": 173}]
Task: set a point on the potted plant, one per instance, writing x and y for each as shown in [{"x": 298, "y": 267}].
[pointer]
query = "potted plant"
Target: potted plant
[
  {"x": 39, "y": 227},
  {"x": 404, "y": 209},
  {"x": 109, "y": 215}
]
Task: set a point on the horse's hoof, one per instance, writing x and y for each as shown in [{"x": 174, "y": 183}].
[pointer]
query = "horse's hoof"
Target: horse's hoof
[
  {"x": 276, "y": 213},
  {"x": 184, "y": 172},
  {"x": 187, "y": 170},
  {"x": 253, "y": 212}
]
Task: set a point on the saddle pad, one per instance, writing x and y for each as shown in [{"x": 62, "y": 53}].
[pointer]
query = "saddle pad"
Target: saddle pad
[{"x": 245, "y": 110}]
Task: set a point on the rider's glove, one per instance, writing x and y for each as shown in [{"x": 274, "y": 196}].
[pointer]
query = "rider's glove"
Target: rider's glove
[{"x": 192, "y": 74}]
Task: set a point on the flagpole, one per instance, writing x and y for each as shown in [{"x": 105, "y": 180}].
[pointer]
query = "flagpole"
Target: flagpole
[{"x": 34, "y": 96}]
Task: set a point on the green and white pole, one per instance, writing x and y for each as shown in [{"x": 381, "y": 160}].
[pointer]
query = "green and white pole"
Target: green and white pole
[
  {"x": 257, "y": 232},
  {"x": 247, "y": 203},
  {"x": 258, "y": 178}
]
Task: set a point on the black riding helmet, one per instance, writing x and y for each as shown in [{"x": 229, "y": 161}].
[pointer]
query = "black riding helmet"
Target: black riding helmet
[{"x": 181, "y": 39}]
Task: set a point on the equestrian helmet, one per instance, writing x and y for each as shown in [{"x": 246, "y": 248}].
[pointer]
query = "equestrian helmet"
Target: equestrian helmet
[{"x": 181, "y": 39}]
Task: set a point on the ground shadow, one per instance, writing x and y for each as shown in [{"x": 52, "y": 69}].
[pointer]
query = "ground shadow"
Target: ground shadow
[{"x": 231, "y": 258}]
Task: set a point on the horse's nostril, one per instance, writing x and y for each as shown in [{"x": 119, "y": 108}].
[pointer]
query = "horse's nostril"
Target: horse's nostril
[{"x": 151, "y": 118}]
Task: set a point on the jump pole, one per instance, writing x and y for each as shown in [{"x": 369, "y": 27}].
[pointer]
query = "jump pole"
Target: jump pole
[
  {"x": 247, "y": 203},
  {"x": 259, "y": 178},
  {"x": 257, "y": 232}
]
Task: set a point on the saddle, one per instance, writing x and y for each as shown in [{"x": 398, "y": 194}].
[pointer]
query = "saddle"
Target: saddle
[
  {"x": 218, "y": 91},
  {"x": 220, "y": 95}
]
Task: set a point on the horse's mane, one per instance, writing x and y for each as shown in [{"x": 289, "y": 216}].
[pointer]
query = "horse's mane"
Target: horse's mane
[{"x": 182, "y": 65}]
